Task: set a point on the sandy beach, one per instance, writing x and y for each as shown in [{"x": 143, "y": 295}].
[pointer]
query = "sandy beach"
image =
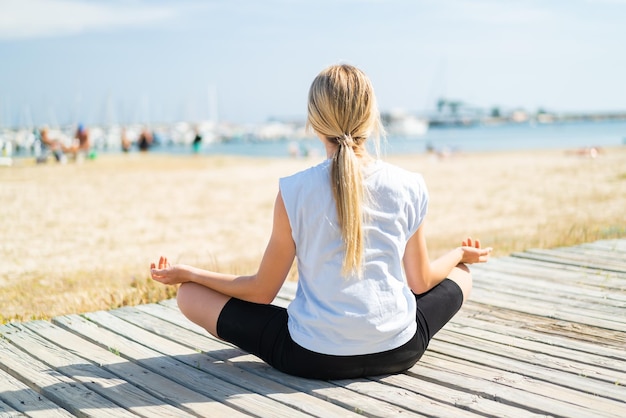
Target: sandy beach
[{"x": 80, "y": 237}]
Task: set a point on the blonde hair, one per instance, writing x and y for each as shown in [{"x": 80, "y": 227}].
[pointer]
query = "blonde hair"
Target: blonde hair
[{"x": 342, "y": 108}]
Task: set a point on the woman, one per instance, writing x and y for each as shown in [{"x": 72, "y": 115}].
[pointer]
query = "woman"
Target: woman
[{"x": 369, "y": 299}]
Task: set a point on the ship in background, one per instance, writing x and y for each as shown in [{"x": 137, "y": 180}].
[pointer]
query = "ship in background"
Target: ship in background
[{"x": 400, "y": 123}]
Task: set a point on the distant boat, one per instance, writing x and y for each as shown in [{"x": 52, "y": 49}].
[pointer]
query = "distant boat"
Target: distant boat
[{"x": 398, "y": 123}]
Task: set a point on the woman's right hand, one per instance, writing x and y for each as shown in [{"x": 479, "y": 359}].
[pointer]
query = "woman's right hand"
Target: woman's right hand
[
  {"x": 168, "y": 274},
  {"x": 473, "y": 252}
]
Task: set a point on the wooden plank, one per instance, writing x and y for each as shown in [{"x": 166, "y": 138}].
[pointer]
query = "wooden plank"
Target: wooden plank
[
  {"x": 598, "y": 310},
  {"x": 65, "y": 392},
  {"x": 6, "y": 411},
  {"x": 25, "y": 400},
  {"x": 569, "y": 261},
  {"x": 533, "y": 286},
  {"x": 171, "y": 367},
  {"x": 617, "y": 246},
  {"x": 559, "y": 270},
  {"x": 95, "y": 378},
  {"x": 605, "y": 260},
  {"x": 328, "y": 391},
  {"x": 350, "y": 400},
  {"x": 168, "y": 391},
  {"x": 538, "y": 342},
  {"x": 560, "y": 312},
  {"x": 550, "y": 294},
  {"x": 522, "y": 354},
  {"x": 509, "y": 388},
  {"x": 199, "y": 339},
  {"x": 607, "y": 281},
  {"x": 596, "y": 253},
  {"x": 607, "y": 342},
  {"x": 216, "y": 366},
  {"x": 609, "y": 315},
  {"x": 458, "y": 400},
  {"x": 550, "y": 380},
  {"x": 531, "y": 327}
]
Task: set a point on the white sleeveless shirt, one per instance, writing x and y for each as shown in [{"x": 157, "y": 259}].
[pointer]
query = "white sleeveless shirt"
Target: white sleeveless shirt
[{"x": 338, "y": 315}]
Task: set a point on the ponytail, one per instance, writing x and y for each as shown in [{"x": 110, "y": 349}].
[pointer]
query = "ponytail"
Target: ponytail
[
  {"x": 347, "y": 185},
  {"x": 342, "y": 110}
]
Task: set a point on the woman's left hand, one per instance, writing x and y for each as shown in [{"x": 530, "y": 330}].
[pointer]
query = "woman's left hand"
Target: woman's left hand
[
  {"x": 473, "y": 252},
  {"x": 166, "y": 273}
]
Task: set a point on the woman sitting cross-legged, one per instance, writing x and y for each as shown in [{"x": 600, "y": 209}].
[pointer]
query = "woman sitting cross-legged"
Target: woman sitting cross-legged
[{"x": 369, "y": 299}]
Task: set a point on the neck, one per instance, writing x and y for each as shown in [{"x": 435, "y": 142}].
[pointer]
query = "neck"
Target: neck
[{"x": 363, "y": 156}]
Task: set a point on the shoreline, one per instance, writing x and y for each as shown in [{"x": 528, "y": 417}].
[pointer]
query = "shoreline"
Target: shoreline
[{"x": 80, "y": 237}]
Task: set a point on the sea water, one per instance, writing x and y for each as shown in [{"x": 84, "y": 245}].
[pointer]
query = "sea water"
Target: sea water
[{"x": 505, "y": 137}]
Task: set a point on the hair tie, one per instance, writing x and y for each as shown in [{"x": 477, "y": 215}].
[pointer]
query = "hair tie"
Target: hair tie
[{"x": 345, "y": 139}]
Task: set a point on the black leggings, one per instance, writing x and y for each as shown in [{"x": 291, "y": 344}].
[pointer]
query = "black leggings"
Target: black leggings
[{"x": 262, "y": 330}]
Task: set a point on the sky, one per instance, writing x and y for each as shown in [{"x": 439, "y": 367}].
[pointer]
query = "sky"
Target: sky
[{"x": 249, "y": 61}]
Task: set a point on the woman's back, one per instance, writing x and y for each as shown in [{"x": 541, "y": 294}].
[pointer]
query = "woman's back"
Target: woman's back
[{"x": 345, "y": 315}]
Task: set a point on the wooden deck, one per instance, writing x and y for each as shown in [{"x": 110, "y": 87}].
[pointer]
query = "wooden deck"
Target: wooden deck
[{"x": 544, "y": 334}]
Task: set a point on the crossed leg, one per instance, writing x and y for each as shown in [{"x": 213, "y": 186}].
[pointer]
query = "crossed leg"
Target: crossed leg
[
  {"x": 461, "y": 275},
  {"x": 201, "y": 305}
]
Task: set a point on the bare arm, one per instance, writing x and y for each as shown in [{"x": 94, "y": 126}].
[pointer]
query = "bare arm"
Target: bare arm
[
  {"x": 422, "y": 274},
  {"x": 261, "y": 287}
]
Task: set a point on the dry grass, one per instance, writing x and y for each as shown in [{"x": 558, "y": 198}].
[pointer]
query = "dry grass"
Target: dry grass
[{"x": 79, "y": 238}]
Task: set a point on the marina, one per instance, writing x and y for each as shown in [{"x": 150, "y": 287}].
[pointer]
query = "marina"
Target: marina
[{"x": 292, "y": 141}]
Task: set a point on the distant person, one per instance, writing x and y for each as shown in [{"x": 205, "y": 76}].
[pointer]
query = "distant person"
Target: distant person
[
  {"x": 6, "y": 155},
  {"x": 197, "y": 142},
  {"x": 125, "y": 141},
  {"x": 145, "y": 140},
  {"x": 51, "y": 145},
  {"x": 369, "y": 299},
  {"x": 81, "y": 144},
  {"x": 293, "y": 149}
]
